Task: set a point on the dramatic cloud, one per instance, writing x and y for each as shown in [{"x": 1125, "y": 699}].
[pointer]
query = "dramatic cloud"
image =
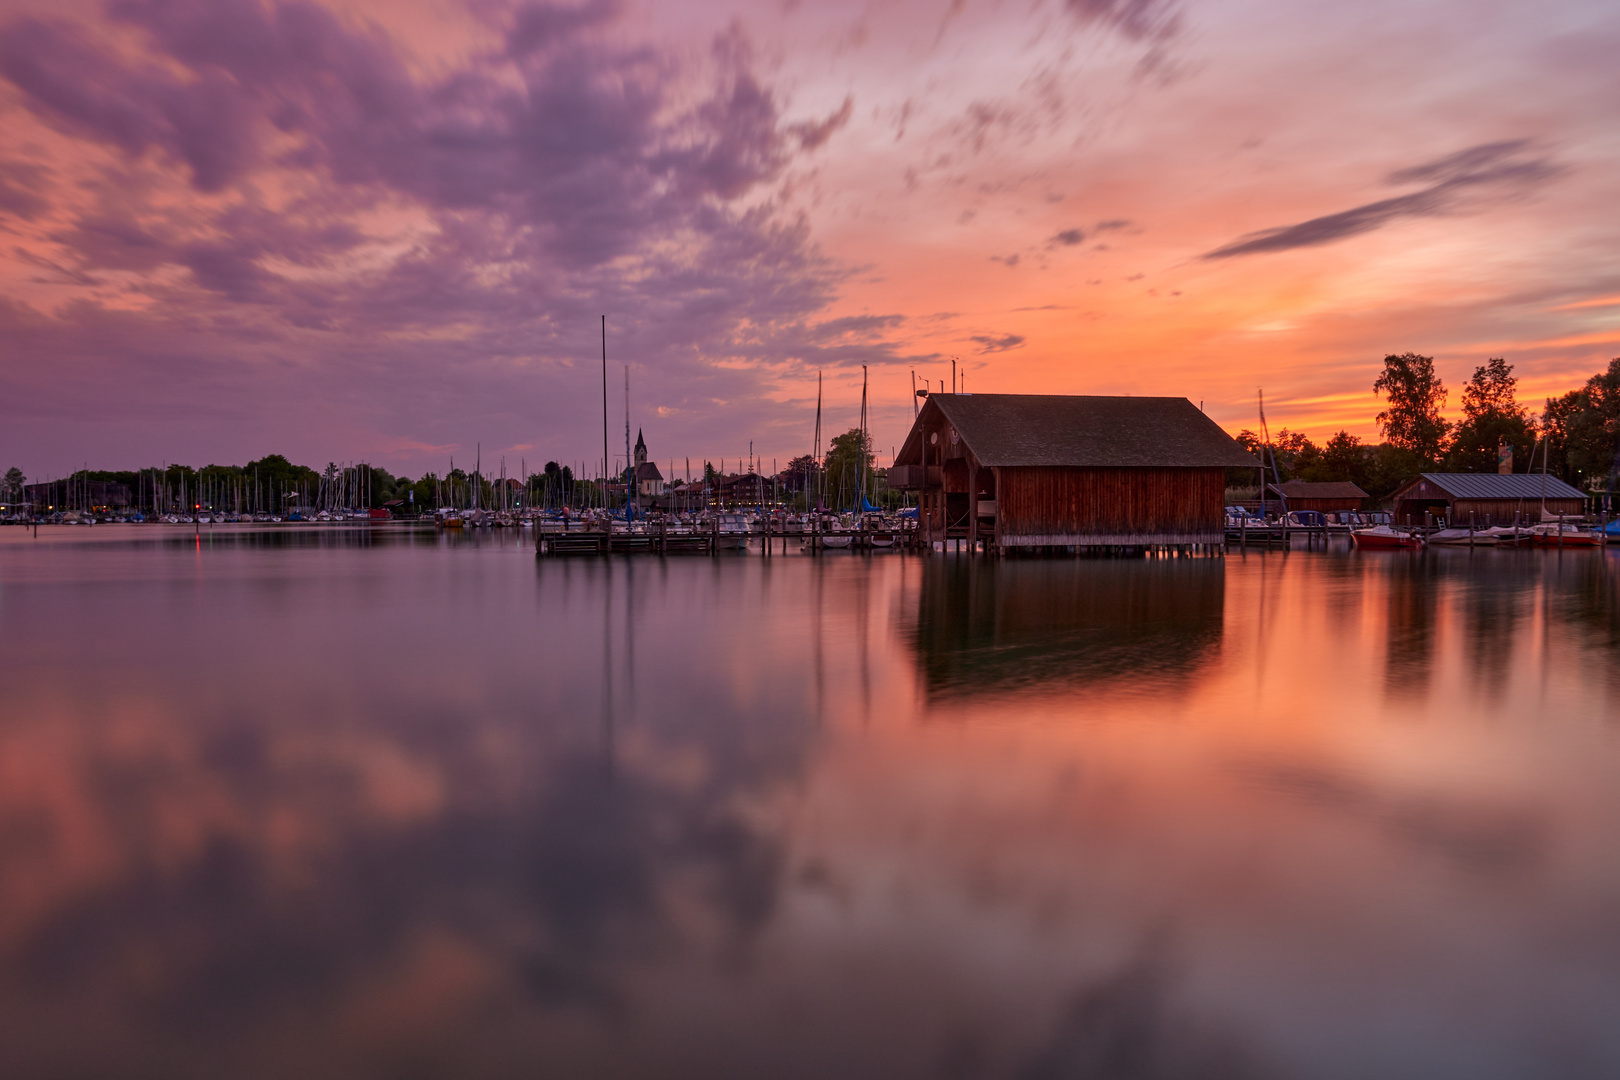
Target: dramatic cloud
[
  {"x": 1495, "y": 170},
  {"x": 489, "y": 212},
  {"x": 335, "y": 229}
]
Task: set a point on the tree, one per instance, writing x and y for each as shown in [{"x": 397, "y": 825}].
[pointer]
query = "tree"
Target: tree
[
  {"x": 1583, "y": 428},
  {"x": 1294, "y": 452},
  {"x": 848, "y": 453},
  {"x": 1491, "y": 416},
  {"x": 1415, "y": 395},
  {"x": 1388, "y": 467},
  {"x": 800, "y": 473},
  {"x": 11, "y": 487},
  {"x": 1344, "y": 458}
]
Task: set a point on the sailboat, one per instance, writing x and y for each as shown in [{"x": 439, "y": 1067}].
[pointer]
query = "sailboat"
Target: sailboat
[{"x": 1554, "y": 531}]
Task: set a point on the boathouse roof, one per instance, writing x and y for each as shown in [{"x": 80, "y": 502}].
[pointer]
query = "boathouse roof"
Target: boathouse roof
[
  {"x": 1525, "y": 486},
  {"x": 1320, "y": 489},
  {"x": 1082, "y": 432}
]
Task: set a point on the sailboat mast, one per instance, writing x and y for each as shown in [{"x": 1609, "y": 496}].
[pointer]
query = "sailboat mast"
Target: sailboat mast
[
  {"x": 1275, "y": 476},
  {"x": 860, "y": 450},
  {"x": 815, "y": 449},
  {"x": 629, "y": 463}
]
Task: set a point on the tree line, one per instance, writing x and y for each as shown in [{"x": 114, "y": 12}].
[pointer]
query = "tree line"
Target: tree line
[
  {"x": 273, "y": 482},
  {"x": 1576, "y": 437}
]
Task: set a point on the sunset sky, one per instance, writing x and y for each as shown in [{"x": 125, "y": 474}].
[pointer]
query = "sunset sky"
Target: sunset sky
[{"x": 386, "y": 230}]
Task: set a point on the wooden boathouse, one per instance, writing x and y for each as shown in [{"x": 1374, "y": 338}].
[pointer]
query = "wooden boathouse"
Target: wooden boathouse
[
  {"x": 1483, "y": 499},
  {"x": 1032, "y": 472},
  {"x": 1325, "y": 496}
]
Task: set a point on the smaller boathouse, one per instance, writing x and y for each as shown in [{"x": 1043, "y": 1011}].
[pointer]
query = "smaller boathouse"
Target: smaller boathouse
[
  {"x": 1483, "y": 499},
  {"x": 1067, "y": 473},
  {"x": 1326, "y": 496}
]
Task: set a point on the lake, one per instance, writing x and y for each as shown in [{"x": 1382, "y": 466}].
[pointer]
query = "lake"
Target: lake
[{"x": 380, "y": 802}]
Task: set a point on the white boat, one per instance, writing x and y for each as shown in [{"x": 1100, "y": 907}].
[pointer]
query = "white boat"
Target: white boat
[
  {"x": 1463, "y": 537},
  {"x": 1508, "y": 535},
  {"x": 731, "y": 531}
]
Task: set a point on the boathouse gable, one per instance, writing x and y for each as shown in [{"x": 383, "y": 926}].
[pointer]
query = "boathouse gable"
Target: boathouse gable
[{"x": 1040, "y": 471}]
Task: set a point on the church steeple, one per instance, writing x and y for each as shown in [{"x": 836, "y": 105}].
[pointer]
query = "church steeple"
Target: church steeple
[{"x": 641, "y": 449}]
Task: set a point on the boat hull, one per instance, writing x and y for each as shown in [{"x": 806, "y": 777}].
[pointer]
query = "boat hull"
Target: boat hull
[
  {"x": 1370, "y": 541},
  {"x": 1568, "y": 540}
]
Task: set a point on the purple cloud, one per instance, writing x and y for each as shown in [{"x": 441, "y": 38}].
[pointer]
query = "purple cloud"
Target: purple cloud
[
  {"x": 1491, "y": 169},
  {"x": 545, "y": 185}
]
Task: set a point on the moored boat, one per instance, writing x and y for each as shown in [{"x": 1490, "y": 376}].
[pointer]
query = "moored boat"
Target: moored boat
[
  {"x": 1563, "y": 534},
  {"x": 1384, "y": 538},
  {"x": 731, "y": 532},
  {"x": 1463, "y": 537}
]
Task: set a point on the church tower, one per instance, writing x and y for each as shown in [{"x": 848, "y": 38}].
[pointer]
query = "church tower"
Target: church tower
[{"x": 641, "y": 449}]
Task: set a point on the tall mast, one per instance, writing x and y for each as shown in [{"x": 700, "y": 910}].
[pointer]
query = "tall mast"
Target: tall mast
[
  {"x": 1275, "y": 475},
  {"x": 629, "y": 463},
  {"x": 604, "y": 414},
  {"x": 815, "y": 451},
  {"x": 860, "y": 448}
]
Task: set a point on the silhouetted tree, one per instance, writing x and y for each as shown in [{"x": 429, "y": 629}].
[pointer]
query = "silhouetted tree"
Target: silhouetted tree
[
  {"x": 1583, "y": 428},
  {"x": 1344, "y": 458},
  {"x": 1415, "y": 396},
  {"x": 848, "y": 452},
  {"x": 1491, "y": 416},
  {"x": 800, "y": 473}
]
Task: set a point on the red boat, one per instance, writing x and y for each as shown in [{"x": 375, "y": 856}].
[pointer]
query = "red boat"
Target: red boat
[
  {"x": 1384, "y": 538},
  {"x": 1565, "y": 535}
]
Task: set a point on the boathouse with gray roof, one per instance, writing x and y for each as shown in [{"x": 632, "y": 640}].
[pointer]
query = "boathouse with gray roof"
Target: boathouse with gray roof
[
  {"x": 1040, "y": 471},
  {"x": 1483, "y": 499}
]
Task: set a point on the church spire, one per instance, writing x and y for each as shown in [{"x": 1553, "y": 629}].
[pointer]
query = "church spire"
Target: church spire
[{"x": 641, "y": 448}]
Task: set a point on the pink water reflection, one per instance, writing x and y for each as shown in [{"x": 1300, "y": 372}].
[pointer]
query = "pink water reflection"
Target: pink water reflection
[{"x": 381, "y": 803}]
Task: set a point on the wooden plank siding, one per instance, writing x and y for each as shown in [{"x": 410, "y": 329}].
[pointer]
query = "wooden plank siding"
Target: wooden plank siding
[
  {"x": 1039, "y": 506},
  {"x": 1483, "y": 513},
  {"x": 1326, "y": 506}
]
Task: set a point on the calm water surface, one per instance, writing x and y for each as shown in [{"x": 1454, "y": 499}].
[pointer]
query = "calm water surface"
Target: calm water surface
[{"x": 375, "y": 803}]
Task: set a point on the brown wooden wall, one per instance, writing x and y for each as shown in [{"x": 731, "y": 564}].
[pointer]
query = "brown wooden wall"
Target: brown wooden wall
[
  {"x": 1485, "y": 512},
  {"x": 1110, "y": 502},
  {"x": 1326, "y": 506}
]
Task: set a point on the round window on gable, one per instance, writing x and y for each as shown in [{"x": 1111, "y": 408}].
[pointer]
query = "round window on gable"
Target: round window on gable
[{"x": 933, "y": 438}]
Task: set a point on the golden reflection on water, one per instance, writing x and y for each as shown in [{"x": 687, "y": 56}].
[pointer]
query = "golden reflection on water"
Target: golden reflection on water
[{"x": 386, "y": 803}]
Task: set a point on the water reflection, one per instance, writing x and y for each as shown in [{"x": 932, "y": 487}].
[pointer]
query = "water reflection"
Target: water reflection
[
  {"x": 993, "y": 626},
  {"x": 1412, "y": 589},
  {"x": 407, "y": 805}
]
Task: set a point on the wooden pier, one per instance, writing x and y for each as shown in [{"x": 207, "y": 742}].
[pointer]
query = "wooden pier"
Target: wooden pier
[{"x": 706, "y": 538}]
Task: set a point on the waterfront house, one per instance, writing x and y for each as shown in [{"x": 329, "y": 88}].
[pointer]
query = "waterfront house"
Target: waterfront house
[
  {"x": 1483, "y": 499},
  {"x": 1034, "y": 471}
]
